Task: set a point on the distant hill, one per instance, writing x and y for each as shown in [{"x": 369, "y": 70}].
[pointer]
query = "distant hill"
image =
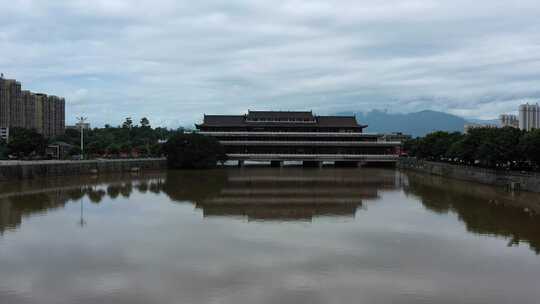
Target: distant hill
[{"x": 415, "y": 124}]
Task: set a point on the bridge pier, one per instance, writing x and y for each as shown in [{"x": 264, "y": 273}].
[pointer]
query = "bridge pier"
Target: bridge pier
[
  {"x": 312, "y": 164},
  {"x": 240, "y": 164},
  {"x": 276, "y": 164}
]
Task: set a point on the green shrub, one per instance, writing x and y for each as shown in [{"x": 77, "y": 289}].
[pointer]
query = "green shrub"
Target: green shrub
[
  {"x": 25, "y": 143},
  {"x": 193, "y": 151}
]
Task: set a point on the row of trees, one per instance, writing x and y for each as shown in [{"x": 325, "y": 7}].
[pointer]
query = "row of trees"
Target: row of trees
[
  {"x": 183, "y": 150},
  {"x": 126, "y": 140},
  {"x": 500, "y": 148}
]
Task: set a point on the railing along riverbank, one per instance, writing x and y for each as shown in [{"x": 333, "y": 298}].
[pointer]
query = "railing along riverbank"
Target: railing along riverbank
[
  {"x": 19, "y": 170},
  {"x": 513, "y": 180}
]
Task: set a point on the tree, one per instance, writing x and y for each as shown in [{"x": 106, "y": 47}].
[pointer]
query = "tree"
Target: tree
[
  {"x": 487, "y": 147},
  {"x": 156, "y": 150},
  {"x": 128, "y": 123},
  {"x": 3, "y": 149},
  {"x": 530, "y": 146},
  {"x": 113, "y": 149},
  {"x": 25, "y": 142},
  {"x": 491, "y": 147},
  {"x": 126, "y": 147},
  {"x": 435, "y": 146},
  {"x": 145, "y": 123},
  {"x": 95, "y": 147},
  {"x": 411, "y": 146},
  {"x": 76, "y": 150},
  {"x": 98, "y": 140},
  {"x": 505, "y": 143},
  {"x": 193, "y": 151}
]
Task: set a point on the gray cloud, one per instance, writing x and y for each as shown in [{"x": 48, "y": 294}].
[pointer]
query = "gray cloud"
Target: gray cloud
[{"x": 174, "y": 60}]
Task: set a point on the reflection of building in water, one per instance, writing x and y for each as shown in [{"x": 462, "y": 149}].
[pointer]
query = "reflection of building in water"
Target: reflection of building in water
[
  {"x": 483, "y": 209},
  {"x": 294, "y": 194}
]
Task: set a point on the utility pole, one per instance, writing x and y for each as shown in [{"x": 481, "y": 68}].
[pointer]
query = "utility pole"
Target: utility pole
[{"x": 81, "y": 125}]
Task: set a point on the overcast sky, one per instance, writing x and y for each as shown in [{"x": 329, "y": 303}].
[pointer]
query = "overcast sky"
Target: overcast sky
[{"x": 173, "y": 60}]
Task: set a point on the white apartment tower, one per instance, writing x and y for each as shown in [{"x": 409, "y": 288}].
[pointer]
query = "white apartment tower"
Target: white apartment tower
[
  {"x": 509, "y": 120},
  {"x": 529, "y": 117}
]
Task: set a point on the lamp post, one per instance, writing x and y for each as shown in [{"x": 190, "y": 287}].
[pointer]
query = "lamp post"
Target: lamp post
[
  {"x": 82, "y": 222},
  {"x": 81, "y": 125}
]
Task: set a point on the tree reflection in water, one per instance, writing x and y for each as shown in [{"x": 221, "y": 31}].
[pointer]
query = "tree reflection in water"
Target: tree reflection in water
[
  {"x": 24, "y": 199},
  {"x": 484, "y": 210}
]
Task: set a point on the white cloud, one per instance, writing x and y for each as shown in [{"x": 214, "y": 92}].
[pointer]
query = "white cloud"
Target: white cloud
[{"x": 174, "y": 60}]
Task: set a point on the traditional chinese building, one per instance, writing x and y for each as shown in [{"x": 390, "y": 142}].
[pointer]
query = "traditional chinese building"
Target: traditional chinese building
[{"x": 297, "y": 136}]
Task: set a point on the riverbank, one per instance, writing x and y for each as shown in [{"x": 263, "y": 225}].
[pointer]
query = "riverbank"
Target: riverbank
[
  {"x": 526, "y": 181},
  {"x": 21, "y": 170}
]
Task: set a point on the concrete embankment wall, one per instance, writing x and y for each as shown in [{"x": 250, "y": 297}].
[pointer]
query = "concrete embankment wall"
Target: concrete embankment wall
[
  {"x": 35, "y": 169},
  {"x": 524, "y": 180}
]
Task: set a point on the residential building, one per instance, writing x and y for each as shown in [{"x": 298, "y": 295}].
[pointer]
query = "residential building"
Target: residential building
[
  {"x": 297, "y": 136},
  {"x": 39, "y": 112},
  {"x": 9, "y": 96},
  {"x": 53, "y": 116},
  {"x": 529, "y": 116},
  {"x": 15, "y": 105},
  {"x": 24, "y": 109},
  {"x": 77, "y": 126},
  {"x": 29, "y": 100},
  {"x": 509, "y": 120}
]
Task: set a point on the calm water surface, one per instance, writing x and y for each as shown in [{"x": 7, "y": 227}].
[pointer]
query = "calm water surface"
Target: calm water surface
[{"x": 257, "y": 235}]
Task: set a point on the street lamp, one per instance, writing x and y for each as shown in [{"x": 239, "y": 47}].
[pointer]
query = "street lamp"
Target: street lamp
[
  {"x": 82, "y": 222},
  {"x": 81, "y": 125}
]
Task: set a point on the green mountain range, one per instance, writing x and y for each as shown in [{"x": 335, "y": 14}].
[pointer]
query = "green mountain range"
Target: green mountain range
[{"x": 415, "y": 124}]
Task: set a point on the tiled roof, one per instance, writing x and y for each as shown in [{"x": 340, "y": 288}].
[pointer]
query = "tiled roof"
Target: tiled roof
[
  {"x": 337, "y": 121},
  {"x": 224, "y": 120},
  {"x": 280, "y": 115},
  {"x": 280, "y": 118}
]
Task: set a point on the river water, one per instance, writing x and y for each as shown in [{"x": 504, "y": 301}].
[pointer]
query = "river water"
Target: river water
[{"x": 263, "y": 235}]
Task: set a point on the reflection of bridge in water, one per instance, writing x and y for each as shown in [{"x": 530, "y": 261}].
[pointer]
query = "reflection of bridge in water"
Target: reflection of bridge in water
[{"x": 295, "y": 194}]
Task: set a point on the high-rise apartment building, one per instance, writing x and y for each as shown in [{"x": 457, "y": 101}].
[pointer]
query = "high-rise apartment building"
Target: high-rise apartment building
[
  {"x": 29, "y": 101},
  {"x": 509, "y": 120},
  {"x": 9, "y": 95},
  {"x": 529, "y": 117},
  {"x": 24, "y": 109},
  {"x": 39, "y": 112}
]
